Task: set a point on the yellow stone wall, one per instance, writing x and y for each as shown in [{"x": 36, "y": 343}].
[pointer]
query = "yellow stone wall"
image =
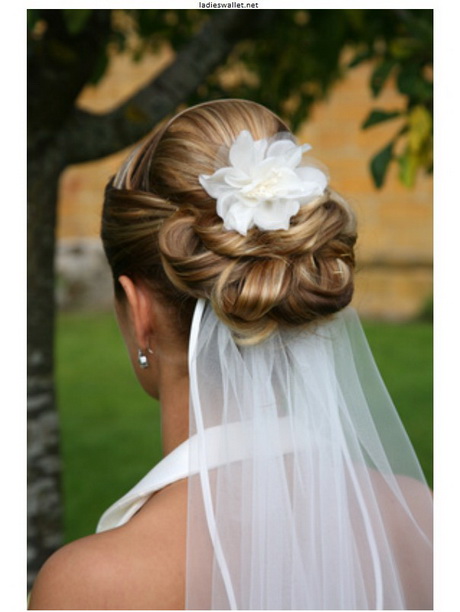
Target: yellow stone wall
[{"x": 395, "y": 224}]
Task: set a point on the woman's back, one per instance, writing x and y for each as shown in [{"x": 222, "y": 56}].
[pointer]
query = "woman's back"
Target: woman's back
[{"x": 138, "y": 566}]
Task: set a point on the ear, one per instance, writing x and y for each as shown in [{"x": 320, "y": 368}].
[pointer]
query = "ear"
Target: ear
[{"x": 140, "y": 311}]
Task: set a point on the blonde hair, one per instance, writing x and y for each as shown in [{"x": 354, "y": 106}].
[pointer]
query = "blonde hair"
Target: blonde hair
[{"x": 160, "y": 225}]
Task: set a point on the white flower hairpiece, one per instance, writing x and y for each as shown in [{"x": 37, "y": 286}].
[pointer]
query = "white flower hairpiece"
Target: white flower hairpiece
[{"x": 264, "y": 185}]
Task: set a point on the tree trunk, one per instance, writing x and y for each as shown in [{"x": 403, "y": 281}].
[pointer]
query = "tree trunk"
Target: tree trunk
[{"x": 44, "y": 503}]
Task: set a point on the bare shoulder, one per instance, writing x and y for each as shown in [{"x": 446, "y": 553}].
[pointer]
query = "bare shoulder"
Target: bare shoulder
[{"x": 140, "y": 566}]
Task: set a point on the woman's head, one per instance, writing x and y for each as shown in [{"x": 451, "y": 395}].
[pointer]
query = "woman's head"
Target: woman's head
[{"x": 160, "y": 226}]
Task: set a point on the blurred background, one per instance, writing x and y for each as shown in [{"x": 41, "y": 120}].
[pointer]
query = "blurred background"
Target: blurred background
[{"x": 356, "y": 84}]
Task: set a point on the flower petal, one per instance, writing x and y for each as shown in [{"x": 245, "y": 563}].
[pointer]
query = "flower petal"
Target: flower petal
[
  {"x": 280, "y": 147},
  {"x": 265, "y": 168},
  {"x": 287, "y": 152},
  {"x": 214, "y": 184},
  {"x": 239, "y": 218},
  {"x": 224, "y": 203},
  {"x": 260, "y": 148},
  {"x": 236, "y": 177},
  {"x": 288, "y": 184},
  {"x": 314, "y": 180},
  {"x": 247, "y": 200},
  {"x": 275, "y": 215},
  {"x": 246, "y": 152}
]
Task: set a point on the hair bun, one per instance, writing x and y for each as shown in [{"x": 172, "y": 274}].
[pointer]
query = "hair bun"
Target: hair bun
[
  {"x": 265, "y": 279},
  {"x": 161, "y": 225}
]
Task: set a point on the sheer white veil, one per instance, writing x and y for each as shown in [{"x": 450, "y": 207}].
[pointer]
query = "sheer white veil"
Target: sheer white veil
[{"x": 308, "y": 494}]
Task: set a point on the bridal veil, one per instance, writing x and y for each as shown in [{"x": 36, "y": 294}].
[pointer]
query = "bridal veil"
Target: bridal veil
[{"x": 308, "y": 493}]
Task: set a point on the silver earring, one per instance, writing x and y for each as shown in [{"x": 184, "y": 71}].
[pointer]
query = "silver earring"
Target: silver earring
[{"x": 142, "y": 359}]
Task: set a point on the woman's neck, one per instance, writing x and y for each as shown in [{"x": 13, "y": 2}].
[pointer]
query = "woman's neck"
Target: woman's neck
[{"x": 174, "y": 403}]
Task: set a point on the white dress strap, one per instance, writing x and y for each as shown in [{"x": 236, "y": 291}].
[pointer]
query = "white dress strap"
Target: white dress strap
[
  {"x": 171, "y": 468},
  {"x": 183, "y": 462}
]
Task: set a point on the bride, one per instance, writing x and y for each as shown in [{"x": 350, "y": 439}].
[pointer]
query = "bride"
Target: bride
[{"x": 288, "y": 481}]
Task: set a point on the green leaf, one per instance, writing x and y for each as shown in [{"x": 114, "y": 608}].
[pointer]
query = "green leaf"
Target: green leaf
[
  {"x": 76, "y": 19},
  {"x": 380, "y": 75},
  {"x": 408, "y": 166},
  {"x": 380, "y": 162},
  {"x": 403, "y": 48},
  {"x": 420, "y": 129},
  {"x": 360, "y": 57},
  {"x": 100, "y": 68},
  {"x": 378, "y": 116},
  {"x": 411, "y": 82}
]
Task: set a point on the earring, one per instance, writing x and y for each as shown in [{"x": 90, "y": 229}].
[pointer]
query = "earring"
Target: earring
[{"x": 142, "y": 359}]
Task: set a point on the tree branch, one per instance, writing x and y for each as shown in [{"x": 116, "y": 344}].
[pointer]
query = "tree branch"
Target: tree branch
[{"x": 90, "y": 136}]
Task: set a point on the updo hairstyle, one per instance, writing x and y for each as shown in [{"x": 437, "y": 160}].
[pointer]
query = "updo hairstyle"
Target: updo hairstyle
[{"x": 159, "y": 225}]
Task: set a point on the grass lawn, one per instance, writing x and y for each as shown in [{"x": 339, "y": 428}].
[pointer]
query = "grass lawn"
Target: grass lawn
[{"x": 111, "y": 428}]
